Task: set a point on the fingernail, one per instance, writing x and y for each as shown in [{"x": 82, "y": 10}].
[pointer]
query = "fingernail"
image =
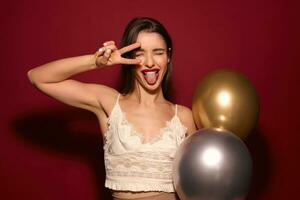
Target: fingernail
[
  {"x": 100, "y": 50},
  {"x": 104, "y": 43}
]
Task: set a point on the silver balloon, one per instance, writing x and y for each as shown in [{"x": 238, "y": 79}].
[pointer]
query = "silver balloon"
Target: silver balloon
[{"x": 212, "y": 164}]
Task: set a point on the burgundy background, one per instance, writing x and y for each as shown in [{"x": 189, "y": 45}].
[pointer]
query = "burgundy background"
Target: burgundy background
[{"x": 52, "y": 151}]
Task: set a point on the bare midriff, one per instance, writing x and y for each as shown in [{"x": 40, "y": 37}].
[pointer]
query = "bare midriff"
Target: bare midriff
[{"x": 121, "y": 195}]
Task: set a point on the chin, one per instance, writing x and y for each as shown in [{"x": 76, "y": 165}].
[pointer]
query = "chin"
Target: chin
[{"x": 151, "y": 88}]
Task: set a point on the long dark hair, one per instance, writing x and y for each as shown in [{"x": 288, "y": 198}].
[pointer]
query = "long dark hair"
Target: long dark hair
[{"x": 134, "y": 27}]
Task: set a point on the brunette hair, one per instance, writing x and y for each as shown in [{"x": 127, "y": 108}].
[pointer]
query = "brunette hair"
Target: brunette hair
[{"x": 134, "y": 27}]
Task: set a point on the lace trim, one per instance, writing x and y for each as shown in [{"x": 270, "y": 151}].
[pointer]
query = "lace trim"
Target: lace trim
[
  {"x": 124, "y": 121},
  {"x": 139, "y": 187},
  {"x": 138, "y": 174},
  {"x": 173, "y": 124},
  {"x": 140, "y": 135}
]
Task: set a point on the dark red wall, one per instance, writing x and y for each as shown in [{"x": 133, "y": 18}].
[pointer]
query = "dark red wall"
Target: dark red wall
[{"x": 51, "y": 151}]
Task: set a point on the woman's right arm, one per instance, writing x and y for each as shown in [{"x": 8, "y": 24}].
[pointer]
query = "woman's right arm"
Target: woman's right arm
[{"x": 54, "y": 78}]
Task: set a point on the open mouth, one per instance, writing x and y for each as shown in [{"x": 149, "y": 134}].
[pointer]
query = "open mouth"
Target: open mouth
[{"x": 150, "y": 75}]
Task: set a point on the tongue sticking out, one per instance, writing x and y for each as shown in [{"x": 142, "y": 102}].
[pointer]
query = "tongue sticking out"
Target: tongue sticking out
[{"x": 150, "y": 77}]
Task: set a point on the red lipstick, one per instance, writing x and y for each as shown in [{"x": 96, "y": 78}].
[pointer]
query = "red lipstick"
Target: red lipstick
[{"x": 150, "y": 70}]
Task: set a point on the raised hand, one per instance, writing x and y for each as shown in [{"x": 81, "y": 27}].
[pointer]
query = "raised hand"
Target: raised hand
[{"x": 109, "y": 54}]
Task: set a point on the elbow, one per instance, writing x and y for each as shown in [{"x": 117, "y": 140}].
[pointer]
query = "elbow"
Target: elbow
[{"x": 30, "y": 77}]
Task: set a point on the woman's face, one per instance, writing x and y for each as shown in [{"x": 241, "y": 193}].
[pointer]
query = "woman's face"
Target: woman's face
[{"x": 154, "y": 60}]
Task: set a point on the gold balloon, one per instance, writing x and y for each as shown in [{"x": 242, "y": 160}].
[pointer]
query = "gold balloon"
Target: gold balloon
[{"x": 226, "y": 99}]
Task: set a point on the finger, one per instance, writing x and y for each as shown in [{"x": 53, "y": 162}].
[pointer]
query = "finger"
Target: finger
[
  {"x": 112, "y": 47},
  {"x": 130, "y": 47},
  {"x": 128, "y": 61},
  {"x": 100, "y": 52},
  {"x": 108, "y": 43},
  {"x": 105, "y": 57},
  {"x": 107, "y": 53}
]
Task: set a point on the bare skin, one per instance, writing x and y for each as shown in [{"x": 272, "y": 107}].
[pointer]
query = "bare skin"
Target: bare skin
[{"x": 146, "y": 108}]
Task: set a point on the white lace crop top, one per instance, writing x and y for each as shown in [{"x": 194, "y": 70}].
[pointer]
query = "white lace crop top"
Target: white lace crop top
[{"x": 135, "y": 166}]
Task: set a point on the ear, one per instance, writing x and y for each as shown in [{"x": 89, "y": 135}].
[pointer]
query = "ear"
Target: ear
[{"x": 169, "y": 52}]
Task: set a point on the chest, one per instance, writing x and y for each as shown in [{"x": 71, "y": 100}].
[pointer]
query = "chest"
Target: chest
[{"x": 147, "y": 122}]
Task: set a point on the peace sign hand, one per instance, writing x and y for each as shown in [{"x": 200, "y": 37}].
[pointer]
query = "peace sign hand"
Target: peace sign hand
[{"x": 109, "y": 54}]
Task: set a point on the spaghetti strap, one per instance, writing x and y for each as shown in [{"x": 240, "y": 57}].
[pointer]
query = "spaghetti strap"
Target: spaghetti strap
[
  {"x": 115, "y": 105},
  {"x": 117, "y": 101}
]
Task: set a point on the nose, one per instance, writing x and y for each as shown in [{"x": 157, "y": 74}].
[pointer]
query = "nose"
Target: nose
[{"x": 149, "y": 61}]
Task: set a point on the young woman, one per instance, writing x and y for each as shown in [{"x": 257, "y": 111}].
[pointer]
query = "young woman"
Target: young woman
[{"x": 140, "y": 127}]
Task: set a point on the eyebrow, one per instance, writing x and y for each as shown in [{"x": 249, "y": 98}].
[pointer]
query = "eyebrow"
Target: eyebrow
[
  {"x": 156, "y": 49},
  {"x": 159, "y": 49}
]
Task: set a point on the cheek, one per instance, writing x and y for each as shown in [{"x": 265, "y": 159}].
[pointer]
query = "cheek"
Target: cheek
[
  {"x": 142, "y": 58},
  {"x": 162, "y": 61},
  {"x": 137, "y": 70}
]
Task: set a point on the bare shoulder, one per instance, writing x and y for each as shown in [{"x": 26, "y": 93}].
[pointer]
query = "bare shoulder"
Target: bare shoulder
[
  {"x": 183, "y": 110},
  {"x": 186, "y": 117},
  {"x": 185, "y": 114}
]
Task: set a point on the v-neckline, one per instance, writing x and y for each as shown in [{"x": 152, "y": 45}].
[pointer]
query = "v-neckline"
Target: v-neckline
[{"x": 142, "y": 135}]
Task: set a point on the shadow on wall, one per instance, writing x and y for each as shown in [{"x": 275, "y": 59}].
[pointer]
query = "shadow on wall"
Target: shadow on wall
[
  {"x": 73, "y": 132},
  {"x": 262, "y": 164}
]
